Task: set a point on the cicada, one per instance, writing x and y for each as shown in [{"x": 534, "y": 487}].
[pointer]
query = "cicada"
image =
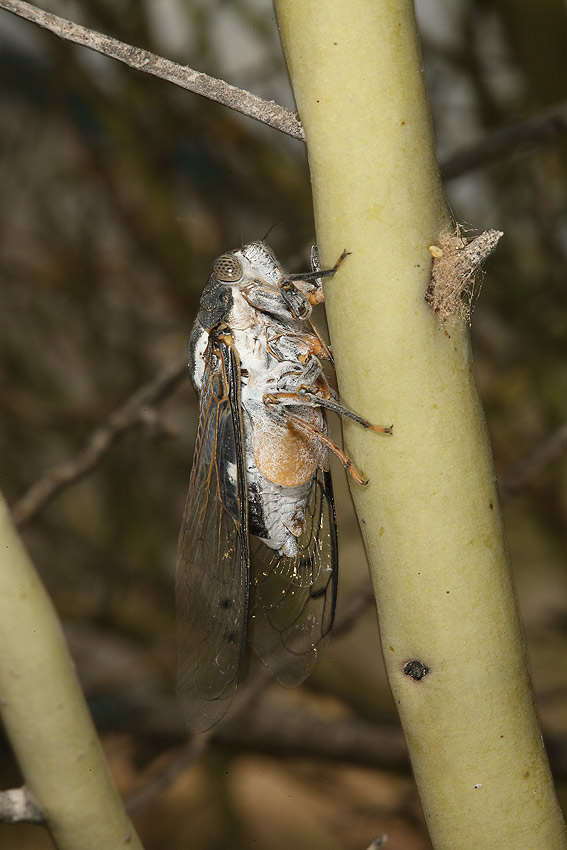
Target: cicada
[{"x": 258, "y": 556}]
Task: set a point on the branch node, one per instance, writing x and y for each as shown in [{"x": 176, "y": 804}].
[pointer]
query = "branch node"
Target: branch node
[
  {"x": 453, "y": 287},
  {"x": 17, "y": 806}
]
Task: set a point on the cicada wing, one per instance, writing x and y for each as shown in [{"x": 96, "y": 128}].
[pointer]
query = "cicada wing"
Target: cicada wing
[
  {"x": 293, "y": 599},
  {"x": 213, "y": 556}
]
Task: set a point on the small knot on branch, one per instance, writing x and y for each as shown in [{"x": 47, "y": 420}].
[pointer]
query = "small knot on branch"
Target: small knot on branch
[
  {"x": 17, "y": 806},
  {"x": 453, "y": 287}
]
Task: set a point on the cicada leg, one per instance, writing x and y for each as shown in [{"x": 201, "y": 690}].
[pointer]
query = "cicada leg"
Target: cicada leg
[
  {"x": 330, "y": 404},
  {"x": 316, "y": 275},
  {"x": 305, "y": 396},
  {"x": 300, "y": 299},
  {"x": 325, "y": 350},
  {"x": 274, "y": 400}
]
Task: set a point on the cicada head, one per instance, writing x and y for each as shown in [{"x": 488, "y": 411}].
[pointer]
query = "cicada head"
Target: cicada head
[{"x": 252, "y": 261}]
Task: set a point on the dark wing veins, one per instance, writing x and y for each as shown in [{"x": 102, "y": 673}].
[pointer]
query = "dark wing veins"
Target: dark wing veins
[{"x": 212, "y": 581}]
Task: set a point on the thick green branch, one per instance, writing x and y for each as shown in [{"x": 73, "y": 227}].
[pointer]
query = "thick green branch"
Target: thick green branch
[
  {"x": 45, "y": 716},
  {"x": 430, "y": 516}
]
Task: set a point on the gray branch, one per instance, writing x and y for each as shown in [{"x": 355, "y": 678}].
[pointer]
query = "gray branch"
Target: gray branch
[
  {"x": 266, "y": 111},
  {"x": 544, "y": 126},
  {"x": 132, "y": 414}
]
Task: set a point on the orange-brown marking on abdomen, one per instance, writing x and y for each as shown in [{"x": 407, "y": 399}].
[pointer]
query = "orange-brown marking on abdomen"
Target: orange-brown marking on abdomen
[{"x": 284, "y": 453}]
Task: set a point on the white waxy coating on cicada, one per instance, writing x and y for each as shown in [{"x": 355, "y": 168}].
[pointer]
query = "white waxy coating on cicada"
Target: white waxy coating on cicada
[{"x": 281, "y": 459}]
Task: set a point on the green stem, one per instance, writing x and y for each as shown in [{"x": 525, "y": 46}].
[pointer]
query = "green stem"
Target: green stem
[
  {"x": 430, "y": 515},
  {"x": 45, "y": 716}
]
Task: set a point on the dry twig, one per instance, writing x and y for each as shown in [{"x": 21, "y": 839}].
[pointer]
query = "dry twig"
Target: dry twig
[
  {"x": 183, "y": 758},
  {"x": 132, "y": 414},
  {"x": 522, "y": 473},
  {"x": 545, "y": 126},
  {"x": 242, "y": 101},
  {"x": 278, "y": 728},
  {"x": 378, "y": 842}
]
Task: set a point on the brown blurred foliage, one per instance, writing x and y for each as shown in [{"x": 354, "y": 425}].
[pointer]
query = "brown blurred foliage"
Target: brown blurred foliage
[{"x": 117, "y": 192}]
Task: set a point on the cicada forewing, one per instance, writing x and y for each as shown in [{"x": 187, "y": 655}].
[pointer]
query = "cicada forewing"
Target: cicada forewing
[
  {"x": 212, "y": 580},
  {"x": 293, "y": 598}
]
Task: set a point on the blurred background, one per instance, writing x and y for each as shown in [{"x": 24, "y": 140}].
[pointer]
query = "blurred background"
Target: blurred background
[{"x": 117, "y": 191}]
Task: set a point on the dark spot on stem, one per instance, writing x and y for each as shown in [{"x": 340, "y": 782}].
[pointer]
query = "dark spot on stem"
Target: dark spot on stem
[{"x": 415, "y": 669}]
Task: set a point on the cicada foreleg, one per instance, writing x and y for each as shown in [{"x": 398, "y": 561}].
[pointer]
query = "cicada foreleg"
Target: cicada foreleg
[
  {"x": 309, "y": 284},
  {"x": 303, "y": 291}
]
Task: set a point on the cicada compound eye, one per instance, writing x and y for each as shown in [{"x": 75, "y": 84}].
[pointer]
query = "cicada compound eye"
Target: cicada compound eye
[{"x": 228, "y": 268}]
